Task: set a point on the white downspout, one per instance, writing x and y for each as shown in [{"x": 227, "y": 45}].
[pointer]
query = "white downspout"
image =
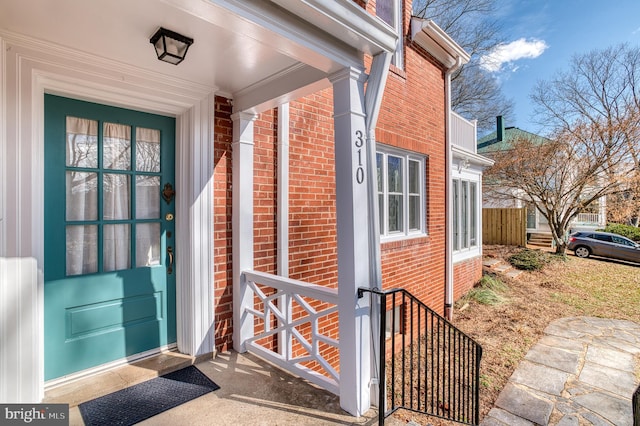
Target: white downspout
[
  {"x": 448, "y": 301},
  {"x": 282, "y": 219},
  {"x": 283, "y": 191}
]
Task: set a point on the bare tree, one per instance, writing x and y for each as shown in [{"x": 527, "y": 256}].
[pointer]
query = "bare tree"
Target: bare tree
[
  {"x": 475, "y": 94},
  {"x": 601, "y": 91},
  {"x": 562, "y": 176}
]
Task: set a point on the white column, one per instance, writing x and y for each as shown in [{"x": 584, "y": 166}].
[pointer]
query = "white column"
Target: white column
[
  {"x": 353, "y": 239},
  {"x": 242, "y": 223},
  {"x": 194, "y": 229}
]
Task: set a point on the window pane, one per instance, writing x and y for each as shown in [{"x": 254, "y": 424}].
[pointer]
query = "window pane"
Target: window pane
[
  {"x": 116, "y": 146},
  {"x": 414, "y": 177},
  {"x": 117, "y": 247},
  {"x": 381, "y": 212},
  {"x": 464, "y": 211},
  {"x": 147, "y": 150},
  {"x": 414, "y": 212},
  {"x": 473, "y": 211},
  {"x": 384, "y": 10},
  {"x": 394, "y": 169},
  {"x": 82, "y": 249},
  {"x": 395, "y": 213},
  {"x": 82, "y": 196},
  {"x": 456, "y": 214},
  {"x": 379, "y": 170},
  {"x": 147, "y": 244},
  {"x": 82, "y": 143},
  {"x": 147, "y": 197},
  {"x": 116, "y": 197}
]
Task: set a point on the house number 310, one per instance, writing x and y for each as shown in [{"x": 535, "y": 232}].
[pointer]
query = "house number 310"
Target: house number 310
[{"x": 359, "y": 144}]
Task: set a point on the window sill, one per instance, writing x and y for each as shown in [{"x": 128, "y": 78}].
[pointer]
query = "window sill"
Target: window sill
[
  {"x": 465, "y": 254},
  {"x": 387, "y": 243}
]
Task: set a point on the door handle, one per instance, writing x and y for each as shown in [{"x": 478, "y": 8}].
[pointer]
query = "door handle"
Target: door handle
[{"x": 170, "y": 254}]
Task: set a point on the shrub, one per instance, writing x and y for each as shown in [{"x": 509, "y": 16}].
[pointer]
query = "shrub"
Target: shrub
[
  {"x": 628, "y": 231},
  {"x": 487, "y": 291},
  {"x": 529, "y": 260}
]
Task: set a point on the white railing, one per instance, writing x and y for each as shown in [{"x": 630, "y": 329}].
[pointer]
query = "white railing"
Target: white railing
[
  {"x": 587, "y": 218},
  {"x": 463, "y": 132},
  {"x": 298, "y": 313}
]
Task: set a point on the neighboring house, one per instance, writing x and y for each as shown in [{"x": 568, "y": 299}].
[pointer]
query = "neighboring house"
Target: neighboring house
[
  {"x": 146, "y": 206},
  {"x": 537, "y": 224}
]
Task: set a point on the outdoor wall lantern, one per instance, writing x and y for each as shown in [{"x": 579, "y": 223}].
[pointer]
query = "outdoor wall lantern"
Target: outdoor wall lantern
[{"x": 170, "y": 46}]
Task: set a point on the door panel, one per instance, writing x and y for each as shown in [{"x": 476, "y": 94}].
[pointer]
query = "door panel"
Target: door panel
[{"x": 108, "y": 290}]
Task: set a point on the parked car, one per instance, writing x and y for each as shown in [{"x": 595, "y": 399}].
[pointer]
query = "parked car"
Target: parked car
[{"x": 587, "y": 243}]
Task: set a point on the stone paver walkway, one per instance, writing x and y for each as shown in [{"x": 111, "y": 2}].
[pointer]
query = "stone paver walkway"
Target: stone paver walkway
[{"x": 581, "y": 372}]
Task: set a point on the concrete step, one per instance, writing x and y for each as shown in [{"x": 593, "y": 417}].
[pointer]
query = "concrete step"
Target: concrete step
[{"x": 502, "y": 267}]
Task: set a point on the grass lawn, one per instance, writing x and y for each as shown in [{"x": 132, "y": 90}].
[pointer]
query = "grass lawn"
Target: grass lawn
[{"x": 508, "y": 325}]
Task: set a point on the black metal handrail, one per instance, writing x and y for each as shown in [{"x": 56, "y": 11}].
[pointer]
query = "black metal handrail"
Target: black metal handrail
[
  {"x": 636, "y": 407},
  {"x": 432, "y": 367}
]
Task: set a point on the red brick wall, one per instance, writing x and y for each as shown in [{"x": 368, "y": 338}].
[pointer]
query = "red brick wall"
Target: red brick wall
[
  {"x": 465, "y": 275},
  {"x": 222, "y": 225},
  {"x": 412, "y": 118}
]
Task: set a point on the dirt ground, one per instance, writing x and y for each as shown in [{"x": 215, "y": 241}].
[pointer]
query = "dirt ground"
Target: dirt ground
[{"x": 508, "y": 330}]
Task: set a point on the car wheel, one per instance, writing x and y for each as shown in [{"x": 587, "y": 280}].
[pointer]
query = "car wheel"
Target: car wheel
[{"x": 582, "y": 251}]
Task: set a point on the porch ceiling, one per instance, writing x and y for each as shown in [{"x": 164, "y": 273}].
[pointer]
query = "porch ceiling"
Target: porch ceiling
[{"x": 257, "y": 51}]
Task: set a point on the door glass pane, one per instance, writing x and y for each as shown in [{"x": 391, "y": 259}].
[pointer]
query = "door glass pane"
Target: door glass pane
[
  {"x": 116, "y": 196},
  {"x": 82, "y": 196},
  {"x": 147, "y": 197},
  {"x": 116, "y": 247},
  {"x": 116, "y": 146},
  {"x": 82, "y": 143},
  {"x": 147, "y": 244},
  {"x": 82, "y": 249},
  {"x": 147, "y": 150}
]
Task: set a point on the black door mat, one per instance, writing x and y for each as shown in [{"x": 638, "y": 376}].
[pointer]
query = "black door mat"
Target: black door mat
[{"x": 139, "y": 402}]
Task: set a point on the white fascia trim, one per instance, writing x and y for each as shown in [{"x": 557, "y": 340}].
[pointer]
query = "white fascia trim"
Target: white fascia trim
[
  {"x": 473, "y": 158},
  {"x": 346, "y": 21},
  {"x": 437, "y": 42}
]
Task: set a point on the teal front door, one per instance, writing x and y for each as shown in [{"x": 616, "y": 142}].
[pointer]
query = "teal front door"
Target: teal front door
[{"x": 109, "y": 271}]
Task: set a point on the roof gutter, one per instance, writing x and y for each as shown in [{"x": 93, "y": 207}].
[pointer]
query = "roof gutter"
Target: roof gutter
[{"x": 441, "y": 46}]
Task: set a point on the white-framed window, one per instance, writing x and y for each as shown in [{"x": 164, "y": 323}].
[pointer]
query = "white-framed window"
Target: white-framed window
[
  {"x": 465, "y": 214},
  {"x": 401, "y": 192},
  {"x": 390, "y": 11}
]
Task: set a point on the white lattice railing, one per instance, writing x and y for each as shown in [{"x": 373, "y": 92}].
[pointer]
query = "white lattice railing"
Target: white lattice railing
[
  {"x": 593, "y": 218},
  {"x": 298, "y": 313}
]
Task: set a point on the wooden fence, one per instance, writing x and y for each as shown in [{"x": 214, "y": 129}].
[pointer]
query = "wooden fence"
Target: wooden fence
[{"x": 506, "y": 226}]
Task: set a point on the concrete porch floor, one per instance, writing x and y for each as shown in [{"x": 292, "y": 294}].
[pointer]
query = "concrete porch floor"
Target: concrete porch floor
[{"x": 252, "y": 392}]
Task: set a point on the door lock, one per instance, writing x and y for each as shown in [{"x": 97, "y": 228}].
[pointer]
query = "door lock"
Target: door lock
[{"x": 169, "y": 217}]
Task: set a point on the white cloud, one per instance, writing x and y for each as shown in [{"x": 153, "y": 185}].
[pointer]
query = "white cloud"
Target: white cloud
[{"x": 506, "y": 53}]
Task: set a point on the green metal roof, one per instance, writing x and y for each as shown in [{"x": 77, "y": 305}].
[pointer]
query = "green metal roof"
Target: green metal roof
[{"x": 490, "y": 142}]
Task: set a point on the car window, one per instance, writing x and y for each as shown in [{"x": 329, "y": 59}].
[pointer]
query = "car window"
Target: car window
[
  {"x": 601, "y": 237},
  {"x": 623, "y": 241}
]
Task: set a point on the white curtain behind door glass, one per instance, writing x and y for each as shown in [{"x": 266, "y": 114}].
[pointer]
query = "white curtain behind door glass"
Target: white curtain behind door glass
[
  {"x": 116, "y": 197},
  {"x": 81, "y": 202}
]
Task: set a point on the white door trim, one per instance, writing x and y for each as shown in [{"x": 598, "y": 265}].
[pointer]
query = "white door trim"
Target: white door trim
[{"x": 32, "y": 68}]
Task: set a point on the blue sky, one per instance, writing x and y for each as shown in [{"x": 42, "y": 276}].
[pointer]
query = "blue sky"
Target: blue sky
[{"x": 542, "y": 36}]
